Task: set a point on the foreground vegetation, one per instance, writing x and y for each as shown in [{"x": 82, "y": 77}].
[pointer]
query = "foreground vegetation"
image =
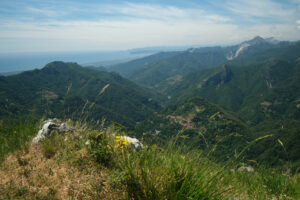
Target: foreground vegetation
[
  {"x": 96, "y": 164},
  {"x": 14, "y": 133}
]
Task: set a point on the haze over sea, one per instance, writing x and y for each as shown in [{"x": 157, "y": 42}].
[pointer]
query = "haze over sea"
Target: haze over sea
[{"x": 15, "y": 62}]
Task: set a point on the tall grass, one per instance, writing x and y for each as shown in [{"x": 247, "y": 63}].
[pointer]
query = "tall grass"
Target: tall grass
[
  {"x": 158, "y": 173},
  {"x": 175, "y": 173},
  {"x": 15, "y": 133},
  {"x": 155, "y": 174}
]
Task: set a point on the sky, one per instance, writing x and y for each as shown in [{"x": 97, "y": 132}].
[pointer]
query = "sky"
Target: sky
[{"x": 90, "y": 25}]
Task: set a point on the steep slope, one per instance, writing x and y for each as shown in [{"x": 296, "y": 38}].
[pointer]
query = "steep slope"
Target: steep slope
[
  {"x": 68, "y": 90},
  {"x": 265, "y": 96},
  {"x": 265, "y": 91},
  {"x": 151, "y": 72},
  {"x": 129, "y": 69},
  {"x": 288, "y": 51},
  {"x": 255, "y": 45}
]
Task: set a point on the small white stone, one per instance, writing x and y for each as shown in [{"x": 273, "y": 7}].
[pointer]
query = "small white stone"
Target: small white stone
[
  {"x": 87, "y": 142},
  {"x": 135, "y": 143},
  {"x": 246, "y": 168}
]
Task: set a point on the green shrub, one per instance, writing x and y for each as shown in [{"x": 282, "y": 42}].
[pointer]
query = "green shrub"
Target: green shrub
[
  {"x": 51, "y": 145},
  {"x": 279, "y": 184},
  {"x": 99, "y": 148}
]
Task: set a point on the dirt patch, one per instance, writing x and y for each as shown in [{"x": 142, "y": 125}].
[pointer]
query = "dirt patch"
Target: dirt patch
[
  {"x": 47, "y": 94},
  {"x": 199, "y": 109},
  {"x": 175, "y": 79},
  {"x": 185, "y": 122},
  {"x": 266, "y": 103}
]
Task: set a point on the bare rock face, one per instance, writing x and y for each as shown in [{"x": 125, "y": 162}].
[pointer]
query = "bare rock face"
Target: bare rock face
[
  {"x": 219, "y": 78},
  {"x": 48, "y": 126}
]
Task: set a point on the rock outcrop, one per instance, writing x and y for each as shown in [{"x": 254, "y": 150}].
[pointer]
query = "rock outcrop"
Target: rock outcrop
[
  {"x": 219, "y": 78},
  {"x": 47, "y": 128}
]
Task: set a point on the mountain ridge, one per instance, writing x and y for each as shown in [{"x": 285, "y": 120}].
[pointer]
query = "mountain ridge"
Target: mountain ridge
[
  {"x": 157, "y": 68},
  {"x": 66, "y": 88}
]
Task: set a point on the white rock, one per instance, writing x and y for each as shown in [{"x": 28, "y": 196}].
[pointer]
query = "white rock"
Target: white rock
[
  {"x": 246, "y": 168},
  {"x": 64, "y": 128},
  {"x": 45, "y": 131},
  {"x": 135, "y": 143},
  {"x": 87, "y": 142},
  {"x": 47, "y": 127}
]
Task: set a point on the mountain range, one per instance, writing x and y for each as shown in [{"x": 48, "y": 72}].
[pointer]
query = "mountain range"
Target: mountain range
[
  {"x": 217, "y": 99},
  {"x": 171, "y": 66}
]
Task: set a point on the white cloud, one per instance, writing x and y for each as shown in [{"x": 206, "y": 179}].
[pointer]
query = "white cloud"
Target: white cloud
[
  {"x": 151, "y": 11},
  {"x": 259, "y": 8},
  {"x": 218, "y": 18},
  {"x": 130, "y": 26},
  {"x": 46, "y": 12},
  {"x": 298, "y": 24}
]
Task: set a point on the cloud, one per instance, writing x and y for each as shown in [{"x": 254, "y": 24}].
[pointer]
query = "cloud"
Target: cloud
[
  {"x": 259, "y": 8},
  {"x": 46, "y": 12},
  {"x": 298, "y": 24},
  {"x": 150, "y": 11},
  {"x": 217, "y": 18},
  {"x": 131, "y": 25}
]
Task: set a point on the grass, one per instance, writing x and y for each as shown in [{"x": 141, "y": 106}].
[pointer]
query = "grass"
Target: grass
[
  {"x": 14, "y": 134},
  {"x": 156, "y": 174},
  {"x": 89, "y": 164}
]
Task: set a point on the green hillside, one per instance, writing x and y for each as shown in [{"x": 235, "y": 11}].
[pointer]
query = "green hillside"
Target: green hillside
[
  {"x": 152, "y": 70},
  {"x": 258, "y": 92},
  {"x": 170, "y": 67},
  {"x": 137, "y": 66},
  {"x": 265, "y": 96},
  {"x": 67, "y": 90},
  {"x": 288, "y": 51},
  {"x": 200, "y": 124}
]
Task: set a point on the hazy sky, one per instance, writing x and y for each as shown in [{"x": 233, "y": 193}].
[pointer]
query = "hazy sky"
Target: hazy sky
[{"x": 73, "y": 25}]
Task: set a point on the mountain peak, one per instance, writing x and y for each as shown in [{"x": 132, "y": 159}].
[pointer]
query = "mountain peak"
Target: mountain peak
[
  {"x": 256, "y": 40},
  {"x": 60, "y": 65}
]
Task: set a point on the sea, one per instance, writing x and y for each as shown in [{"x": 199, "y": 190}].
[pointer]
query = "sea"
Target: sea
[{"x": 12, "y": 63}]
